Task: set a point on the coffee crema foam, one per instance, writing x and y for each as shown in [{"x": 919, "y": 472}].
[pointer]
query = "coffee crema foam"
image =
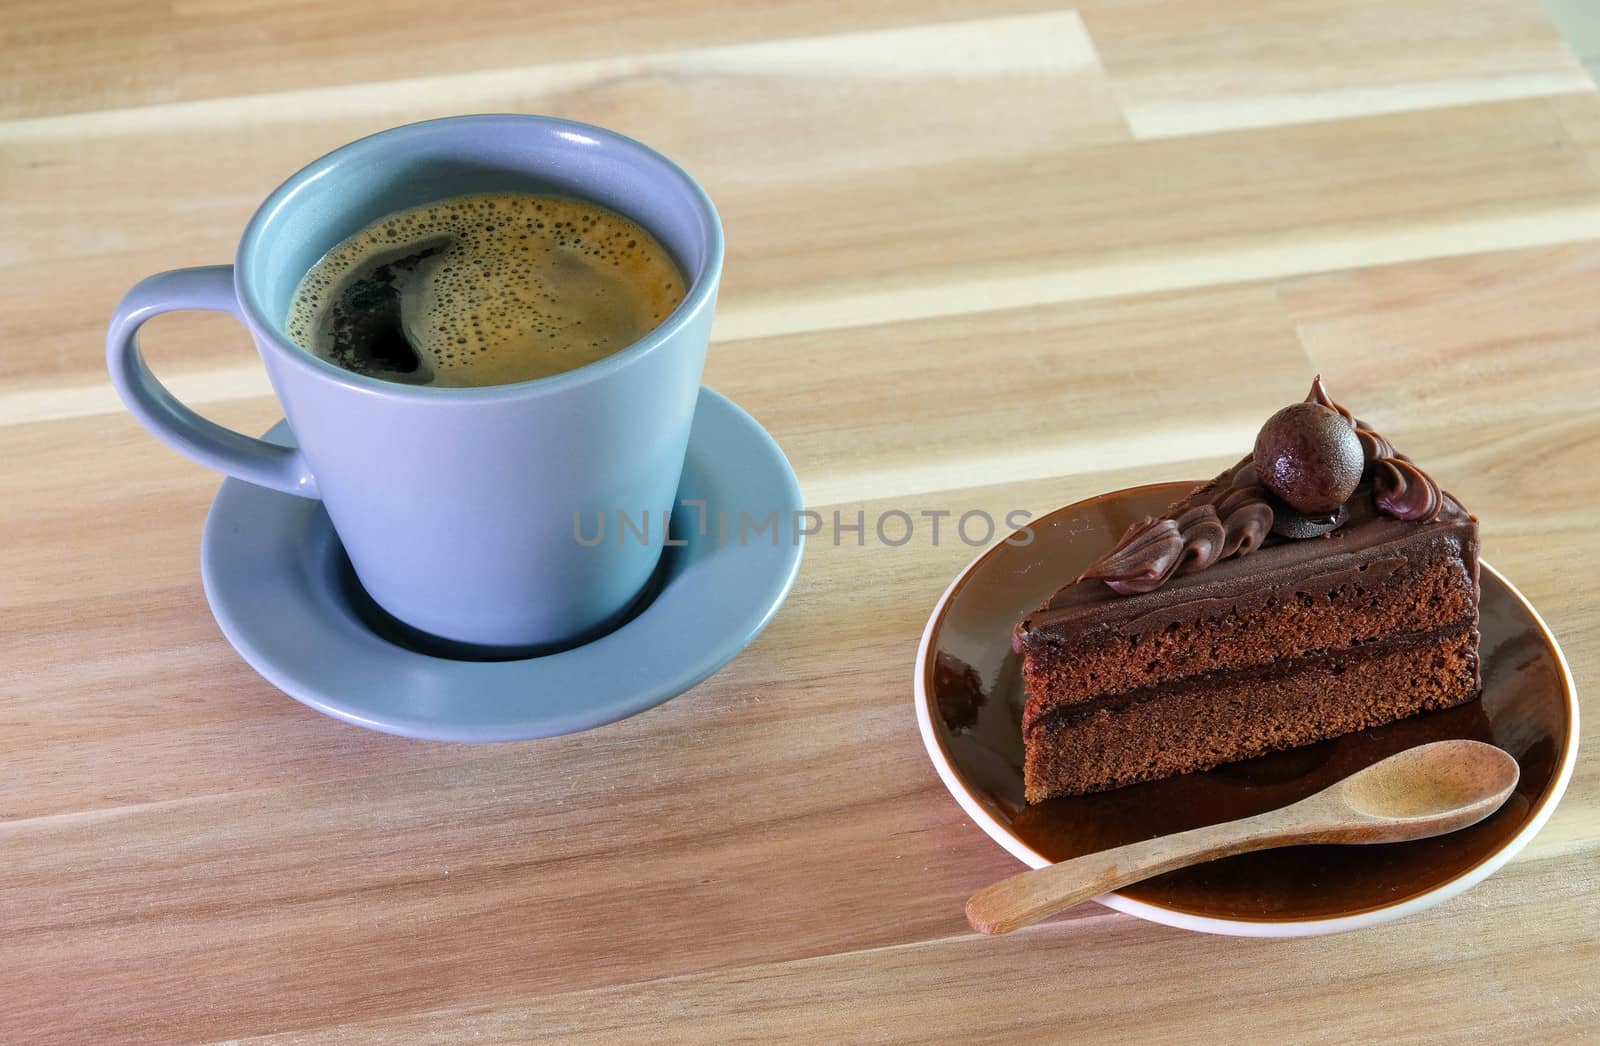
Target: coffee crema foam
[{"x": 485, "y": 290}]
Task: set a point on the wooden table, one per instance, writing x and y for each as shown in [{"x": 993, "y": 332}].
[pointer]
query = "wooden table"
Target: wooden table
[{"x": 981, "y": 255}]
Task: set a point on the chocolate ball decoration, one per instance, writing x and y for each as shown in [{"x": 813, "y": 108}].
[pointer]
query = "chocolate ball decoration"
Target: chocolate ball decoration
[{"x": 1309, "y": 457}]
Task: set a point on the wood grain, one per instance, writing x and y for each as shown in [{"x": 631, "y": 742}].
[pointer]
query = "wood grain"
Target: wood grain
[
  {"x": 1251, "y": 63},
  {"x": 1381, "y": 985},
  {"x": 986, "y": 256}
]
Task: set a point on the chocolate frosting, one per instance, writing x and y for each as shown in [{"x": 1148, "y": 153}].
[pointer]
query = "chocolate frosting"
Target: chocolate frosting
[
  {"x": 1148, "y": 553},
  {"x": 1373, "y": 446},
  {"x": 1368, "y": 547},
  {"x": 1319, "y": 395},
  {"x": 1232, "y": 515},
  {"x": 1399, "y": 487},
  {"x": 1203, "y": 538},
  {"x": 1404, "y": 491}
]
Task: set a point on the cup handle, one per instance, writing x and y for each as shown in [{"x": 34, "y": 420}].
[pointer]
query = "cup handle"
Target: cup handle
[{"x": 207, "y": 289}]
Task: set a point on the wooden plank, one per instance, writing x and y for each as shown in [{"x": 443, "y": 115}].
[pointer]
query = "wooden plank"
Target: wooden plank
[
  {"x": 1369, "y": 986},
  {"x": 1002, "y": 231},
  {"x": 108, "y": 54},
  {"x": 1182, "y": 68},
  {"x": 1485, "y": 337},
  {"x": 93, "y": 54}
]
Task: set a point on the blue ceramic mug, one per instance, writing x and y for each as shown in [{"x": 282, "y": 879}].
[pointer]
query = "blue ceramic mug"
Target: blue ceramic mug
[{"x": 458, "y": 507}]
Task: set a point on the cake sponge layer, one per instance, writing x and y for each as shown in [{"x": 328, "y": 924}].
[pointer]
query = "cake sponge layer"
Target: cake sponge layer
[
  {"x": 1198, "y": 724},
  {"x": 1389, "y": 597}
]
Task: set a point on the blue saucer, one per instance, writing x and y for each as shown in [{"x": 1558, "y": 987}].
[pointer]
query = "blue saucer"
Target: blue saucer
[{"x": 279, "y": 585}]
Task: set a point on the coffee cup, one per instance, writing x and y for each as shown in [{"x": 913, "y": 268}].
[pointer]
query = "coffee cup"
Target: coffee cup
[{"x": 459, "y": 507}]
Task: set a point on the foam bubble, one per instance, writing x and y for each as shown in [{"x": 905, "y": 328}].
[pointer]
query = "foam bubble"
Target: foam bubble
[{"x": 524, "y": 287}]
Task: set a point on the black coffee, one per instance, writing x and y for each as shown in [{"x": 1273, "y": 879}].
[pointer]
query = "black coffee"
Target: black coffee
[{"x": 485, "y": 290}]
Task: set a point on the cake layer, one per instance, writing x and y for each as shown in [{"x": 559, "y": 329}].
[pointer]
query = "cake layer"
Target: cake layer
[
  {"x": 1198, "y": 724},
  {"x": 1384, "y": 597}
]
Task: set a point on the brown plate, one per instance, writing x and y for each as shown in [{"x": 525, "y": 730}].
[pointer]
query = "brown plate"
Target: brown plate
[{"x": 969, "y": 703}]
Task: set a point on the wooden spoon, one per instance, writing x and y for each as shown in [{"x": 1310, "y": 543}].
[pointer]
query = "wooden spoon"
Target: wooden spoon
[{"x": 1424, "y": 791}]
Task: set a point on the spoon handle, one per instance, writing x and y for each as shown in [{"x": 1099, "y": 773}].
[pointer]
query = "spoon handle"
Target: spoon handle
[{"x": 1029, "y": 896}]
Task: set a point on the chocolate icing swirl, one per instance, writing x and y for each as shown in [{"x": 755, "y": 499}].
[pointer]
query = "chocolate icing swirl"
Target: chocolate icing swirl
[
  {"x": 1244, "y": 508},
  {"x": 1147, "y": 555},
  {"x": 1399, "y": 488},
  {"x": 1230, "y": 516},
  {"x": 1373, "y": 446},
  {"x": 1404, "y": 491},
  {"x": 1248, "y": 525},
  {"x": 1319, "y": 395},
  {"x": 1234, "y": 514},
  {"x": 1203, "y": 538}
]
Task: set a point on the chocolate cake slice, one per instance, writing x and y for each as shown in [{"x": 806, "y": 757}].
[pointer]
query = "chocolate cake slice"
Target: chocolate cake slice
[{"x": 1323, "y": 585}]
